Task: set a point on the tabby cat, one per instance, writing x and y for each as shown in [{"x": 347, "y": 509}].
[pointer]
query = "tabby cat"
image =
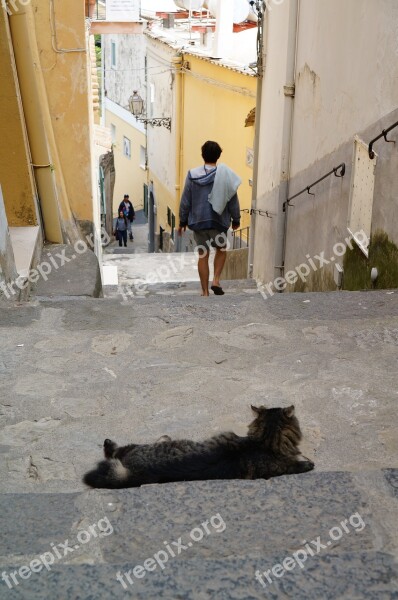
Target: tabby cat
[{"x": 270, "y": 449}]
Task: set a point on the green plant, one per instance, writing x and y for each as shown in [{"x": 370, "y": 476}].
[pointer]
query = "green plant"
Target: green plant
[{"x": 383, "y": 254}]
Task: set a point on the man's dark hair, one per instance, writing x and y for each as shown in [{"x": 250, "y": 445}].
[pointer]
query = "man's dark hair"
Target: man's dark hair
[{"x": 211, "y": 152}]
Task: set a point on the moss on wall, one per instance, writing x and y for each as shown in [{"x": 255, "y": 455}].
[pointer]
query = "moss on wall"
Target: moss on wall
[
  {"x": 383, "y": 254},
  {"x": 318, "y": 281}
]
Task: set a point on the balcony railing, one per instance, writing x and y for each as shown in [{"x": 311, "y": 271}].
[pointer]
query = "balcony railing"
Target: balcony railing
[
  {"x": 96, "y": 9},
  {"x": 114, "y": 16}
]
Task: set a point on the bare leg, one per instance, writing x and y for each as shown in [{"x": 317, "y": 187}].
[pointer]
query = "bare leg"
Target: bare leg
[
  {"x": 203, "y": 268},
  {"x": 219, "y": 262}
]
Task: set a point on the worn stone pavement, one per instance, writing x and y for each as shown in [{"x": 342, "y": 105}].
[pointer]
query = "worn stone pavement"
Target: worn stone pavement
[{"x": 75, "y": 371}]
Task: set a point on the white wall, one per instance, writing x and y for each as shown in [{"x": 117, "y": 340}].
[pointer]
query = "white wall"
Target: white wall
[
  {"x": 161, "y": 87},
  {"x": 7, "y": 262},
  {"x": 128, "y": 75},
  {"x": 347, "y": 73},
  {"x": 273, "y": 127},
  {"x": 346, "y": 84}
]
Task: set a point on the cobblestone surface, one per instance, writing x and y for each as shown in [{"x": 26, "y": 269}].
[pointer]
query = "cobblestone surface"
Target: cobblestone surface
[{"x": 75, "y": 371}]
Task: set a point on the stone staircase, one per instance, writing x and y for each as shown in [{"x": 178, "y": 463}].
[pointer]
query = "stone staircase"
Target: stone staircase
[
  {"x": 250, "y": 528},
  {"x": 77, "y": 370}
]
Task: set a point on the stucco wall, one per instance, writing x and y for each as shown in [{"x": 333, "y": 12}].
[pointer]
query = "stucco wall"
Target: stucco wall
[
  {"x": 67, "y": 82},
  {"x": 162, "y": 143},
  {"x": 15, "y": 170},
  {"x": 130, "y": 175},
  {"x": 128, "y": 75},
  {"x": 316, "y": 223},
  {"x": 217, "y": 101},
  {"x": 7, "y": 261},
  {"x": 271, "y": 154},
  {"x": 205, "y": 101},
  {"x": 161, "y": 88},
  {"x": 347, "y": 73},
  {"x": 346, "y": 84}
]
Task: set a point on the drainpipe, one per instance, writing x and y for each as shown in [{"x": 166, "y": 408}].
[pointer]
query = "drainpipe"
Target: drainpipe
[
  {"x": 260, "y": 80},
  {"x": 177, "y": 63},
  {"x": 53, "y": 198},
  {"x": 287, "y": 133}
]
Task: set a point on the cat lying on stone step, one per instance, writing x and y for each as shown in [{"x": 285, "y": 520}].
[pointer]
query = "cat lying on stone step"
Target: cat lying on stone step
[{"x": 270, "y": 449}]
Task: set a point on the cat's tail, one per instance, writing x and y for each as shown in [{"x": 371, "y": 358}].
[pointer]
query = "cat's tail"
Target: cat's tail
[{"x": 108, "y": 474}]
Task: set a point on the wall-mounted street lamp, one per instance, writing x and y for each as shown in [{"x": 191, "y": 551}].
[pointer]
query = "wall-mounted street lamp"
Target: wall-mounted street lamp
[{"x": 136, "y": 105}]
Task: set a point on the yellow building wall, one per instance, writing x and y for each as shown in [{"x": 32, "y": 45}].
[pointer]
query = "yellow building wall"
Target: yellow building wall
[
  {"x": 163, "y": 199},
  {"x": 216, "y": 102},
  {"x": 211, "y": 103},
  {"x": 130, "y": 174},
  {"x": 67, "y": 82},
  {"x": 16, "y": 177}
]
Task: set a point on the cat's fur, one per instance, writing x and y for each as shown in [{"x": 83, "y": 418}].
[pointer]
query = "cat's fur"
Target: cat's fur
[{"x": 270, "y": 449}]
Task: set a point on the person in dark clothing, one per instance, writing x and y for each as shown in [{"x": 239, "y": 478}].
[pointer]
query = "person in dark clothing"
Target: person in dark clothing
[
  {"x": 209, "y": 205},
  {"x": 128, "y": 210},
  {"x": 121, "y": 228}
]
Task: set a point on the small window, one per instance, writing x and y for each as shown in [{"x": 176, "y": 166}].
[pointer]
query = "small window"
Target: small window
[
  {"x": 151, "y": 99},
  {"x": 113, "y": 54},
  {"x": 152, "y": 92},
  {"x": 113, "y": 133},
  {"x": 142, "y": 157},
  {"x": 126, "y": 147}
]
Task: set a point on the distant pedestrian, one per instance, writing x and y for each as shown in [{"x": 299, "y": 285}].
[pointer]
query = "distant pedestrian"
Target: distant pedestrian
[
  {"x": 121, "y": 228},
  {"x": 209, "y": 204},
  {"x": 128, "y": 209}
]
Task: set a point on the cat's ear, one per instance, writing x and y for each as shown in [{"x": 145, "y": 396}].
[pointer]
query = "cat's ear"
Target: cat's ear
[
  {"x": 255, "y": 409},
  {"x": 289, "y": 411}
]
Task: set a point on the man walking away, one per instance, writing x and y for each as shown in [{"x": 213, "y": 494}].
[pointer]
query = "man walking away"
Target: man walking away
[
  {"x": 128, "y": 210},
  {"x": 209, "y": 203}
]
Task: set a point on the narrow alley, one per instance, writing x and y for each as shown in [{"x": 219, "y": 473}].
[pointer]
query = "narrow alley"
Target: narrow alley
[{"x": 170, "y": 430}]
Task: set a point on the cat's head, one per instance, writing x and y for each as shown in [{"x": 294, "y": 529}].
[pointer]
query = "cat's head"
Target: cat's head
[{"x": 277, "y": 428}]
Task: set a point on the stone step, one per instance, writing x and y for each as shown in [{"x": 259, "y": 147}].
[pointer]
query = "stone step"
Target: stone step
[
  {"x": 349, "y": 575},
  {"x": 338, "y": 529},
  {"x": 65, "y": 272},
  {"x": 127, "y": 291}
]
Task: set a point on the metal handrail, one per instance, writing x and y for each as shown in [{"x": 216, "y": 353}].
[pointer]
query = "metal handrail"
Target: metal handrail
[
  {"x": 382, "y": 135},
  {"x": 254, "y": 211},
  {"x": 338, "y": 171},
  {"x": 240, "y": 233}
]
